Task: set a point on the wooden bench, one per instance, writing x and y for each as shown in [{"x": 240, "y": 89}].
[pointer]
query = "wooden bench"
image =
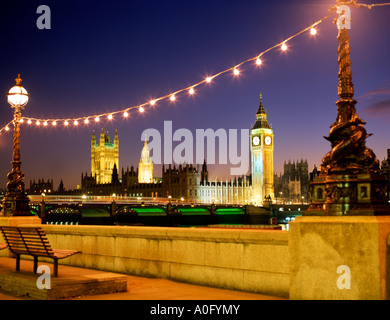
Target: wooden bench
[{"x": 32, "y": 241}]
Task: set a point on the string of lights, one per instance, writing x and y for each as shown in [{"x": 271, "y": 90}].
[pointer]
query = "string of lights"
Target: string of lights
[
  {"x": 369, "y": 6},
  {"x": 235, "y": 70},
  {"x": 6, "y": 127}
]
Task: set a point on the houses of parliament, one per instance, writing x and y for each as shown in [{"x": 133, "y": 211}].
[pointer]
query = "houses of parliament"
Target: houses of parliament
[{"x": 189, "y": 183}]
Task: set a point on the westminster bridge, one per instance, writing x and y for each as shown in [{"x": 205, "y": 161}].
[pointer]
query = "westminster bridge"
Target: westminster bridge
[{"x": 82, "y": 210}]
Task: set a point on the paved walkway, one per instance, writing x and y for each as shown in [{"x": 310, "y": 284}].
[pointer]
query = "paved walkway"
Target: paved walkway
[
  {"x": 140, "y": 288},
  {"x": 162, "y": 289}
]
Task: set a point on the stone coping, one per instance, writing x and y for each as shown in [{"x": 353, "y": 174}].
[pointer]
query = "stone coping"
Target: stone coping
[
  {"x": 171, "y": 233},
  {"x": 341, "y": 219}
]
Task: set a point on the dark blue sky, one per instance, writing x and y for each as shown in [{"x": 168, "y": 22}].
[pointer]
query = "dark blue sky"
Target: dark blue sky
[{"x": 103, "y": 56}]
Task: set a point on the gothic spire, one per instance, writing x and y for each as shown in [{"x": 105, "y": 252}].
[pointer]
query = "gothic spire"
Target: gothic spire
[
  {"x": 261, "y": 109},
  {"x": 261, "y": 116}
]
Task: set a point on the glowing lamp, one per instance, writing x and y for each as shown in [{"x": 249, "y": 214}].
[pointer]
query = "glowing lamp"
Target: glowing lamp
[
  {"x": 17, "y": 95},
  {"x": 15, "y": 201}
]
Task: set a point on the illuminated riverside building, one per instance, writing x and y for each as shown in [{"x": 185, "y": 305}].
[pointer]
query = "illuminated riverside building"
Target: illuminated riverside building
[
  {"x": 293, "y": 185},
  {"x": 262, "y": 157},
  {"x": 188, "y": 183},
  {"x": 145, "y": 167},
  {"x": 191, "y": 184},
  {"x": 253, "y": 189},
  {"x": 104, "y": 155},
  {"x": 237, "y": 191}
]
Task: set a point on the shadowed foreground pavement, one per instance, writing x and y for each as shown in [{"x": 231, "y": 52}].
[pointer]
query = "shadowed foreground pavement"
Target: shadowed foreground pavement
[{"x": 138, "y": 288}]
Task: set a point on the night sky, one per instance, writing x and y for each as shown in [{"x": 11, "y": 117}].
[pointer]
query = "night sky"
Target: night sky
[{"x": 103, "y": 56}]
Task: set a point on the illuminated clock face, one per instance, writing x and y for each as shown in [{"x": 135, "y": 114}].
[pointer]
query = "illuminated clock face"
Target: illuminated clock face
[
  {"x": 267, "y": 140},
  {"x": 256, "y": 141}
]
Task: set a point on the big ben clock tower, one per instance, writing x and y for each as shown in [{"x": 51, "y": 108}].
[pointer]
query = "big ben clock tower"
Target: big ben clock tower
[{"x": 262, "y": 157}]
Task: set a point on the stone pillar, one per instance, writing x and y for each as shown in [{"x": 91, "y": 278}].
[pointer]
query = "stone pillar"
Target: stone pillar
[{"x": 339, "y": 257}]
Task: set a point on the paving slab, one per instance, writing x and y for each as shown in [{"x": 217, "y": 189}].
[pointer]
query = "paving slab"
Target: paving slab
[
  {"x": 71, "y": 282},
  {"x": 22, "y": 286}
]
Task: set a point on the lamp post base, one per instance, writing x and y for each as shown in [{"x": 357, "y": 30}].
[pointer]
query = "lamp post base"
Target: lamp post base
[
  {"x": 16, "y": 205},
  {"x": 348, "y": 194}
]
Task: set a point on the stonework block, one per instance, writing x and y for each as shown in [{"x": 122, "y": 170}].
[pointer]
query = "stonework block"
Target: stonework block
[
  {"x": 127, "y": 247},
  {"x": 209, "y": 276},
  {"x": 329, "y": 253},
  {"x": 266, "y": 258},
  {"x": 222, "y": 254},
  {"x": 275, "y": 284}
]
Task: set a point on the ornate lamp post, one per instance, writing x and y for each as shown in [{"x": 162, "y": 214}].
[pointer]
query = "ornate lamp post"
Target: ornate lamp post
[
  {"x": 15, "y": 202},
  {"x": 349, "y": 182}
]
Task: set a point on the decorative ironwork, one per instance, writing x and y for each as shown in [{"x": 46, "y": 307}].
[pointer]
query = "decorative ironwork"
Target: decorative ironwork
[
  {"x": 16, "y": 201},
  {"x": 347, "y": 134},
  {"x": 350, "y": 182}
]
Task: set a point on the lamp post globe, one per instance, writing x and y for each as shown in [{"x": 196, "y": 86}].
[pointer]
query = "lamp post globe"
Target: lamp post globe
[
  {"x": 16, "y": 201},
  {"x": 17, "y": 95}
]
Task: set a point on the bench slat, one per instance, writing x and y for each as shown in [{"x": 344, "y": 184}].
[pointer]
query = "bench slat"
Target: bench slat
[
  {"x": 27, "y": 239},
  {"x": 29, "y": 245},
  {"x": 27, "y": 236},
  {"x": 30, "y": 248},
  {"x": 44, "y": 242}
]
